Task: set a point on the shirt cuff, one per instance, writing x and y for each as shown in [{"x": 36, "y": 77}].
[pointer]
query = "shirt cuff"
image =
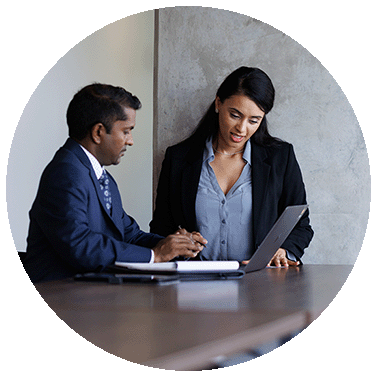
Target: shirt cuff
[
  {"x": 291, "y": 256},
  {"x": 152, "y": 257}
]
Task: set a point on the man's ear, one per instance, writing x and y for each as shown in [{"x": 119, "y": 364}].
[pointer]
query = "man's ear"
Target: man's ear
[{"x": 97, "y": 133}]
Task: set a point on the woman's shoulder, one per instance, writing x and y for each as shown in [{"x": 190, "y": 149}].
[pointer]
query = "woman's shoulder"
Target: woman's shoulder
[
  {"x": 281, "y": 146},
  {"x": 276, "y": 147},
  {"x": 282, "y": 156},
  {"x": 186, "y": 148},
  {"x": 280, "y": 153}
]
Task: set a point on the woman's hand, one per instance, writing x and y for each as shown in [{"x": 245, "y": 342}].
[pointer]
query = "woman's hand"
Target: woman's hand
[{"x": 280, "y": 260}]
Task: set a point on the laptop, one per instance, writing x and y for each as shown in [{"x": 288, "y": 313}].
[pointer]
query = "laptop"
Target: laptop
[
  {"x": 266, "y": 250},
  {"x": 275, "y": 238}
]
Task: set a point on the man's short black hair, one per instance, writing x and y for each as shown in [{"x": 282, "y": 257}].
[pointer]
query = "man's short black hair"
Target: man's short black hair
[{"x": 98, "y": 103}]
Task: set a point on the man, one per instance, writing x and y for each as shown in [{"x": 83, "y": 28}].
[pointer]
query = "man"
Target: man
[{"x": 77, "y": 222}]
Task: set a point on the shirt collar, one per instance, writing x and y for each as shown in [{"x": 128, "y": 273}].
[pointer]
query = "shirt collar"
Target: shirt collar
[
  {"x": 208, "y": 154},
  {"x": 98, "y": 169},
  {"x": 247, "y": 152}
]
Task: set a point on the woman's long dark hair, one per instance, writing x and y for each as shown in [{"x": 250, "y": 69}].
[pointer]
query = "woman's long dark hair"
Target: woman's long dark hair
[{"x": 258, "y": 87}]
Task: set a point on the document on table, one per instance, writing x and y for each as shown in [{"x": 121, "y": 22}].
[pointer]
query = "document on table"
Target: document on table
[{"x": 183, "y": 266}]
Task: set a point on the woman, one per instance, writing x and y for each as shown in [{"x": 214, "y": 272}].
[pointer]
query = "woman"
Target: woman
[{"x": 231, "y": 180}]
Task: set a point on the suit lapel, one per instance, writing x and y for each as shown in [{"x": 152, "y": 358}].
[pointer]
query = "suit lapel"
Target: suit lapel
[
  {"x": 116, "y": 215},
  {"x": 74, "y": 147},
  {"x": 117, "y": 209},
  {"x": 260, "y": 175},
  {"x": 98, "y": 190}
]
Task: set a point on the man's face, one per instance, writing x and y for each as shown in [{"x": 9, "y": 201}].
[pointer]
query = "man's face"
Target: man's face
[{"x": 113, "y": 145}]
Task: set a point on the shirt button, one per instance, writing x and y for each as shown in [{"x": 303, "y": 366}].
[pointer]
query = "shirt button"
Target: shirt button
[
  {"x": 223, "y": 201},
  {"x": 223, "y": 221},
  {"x": 223, "y": 242}
]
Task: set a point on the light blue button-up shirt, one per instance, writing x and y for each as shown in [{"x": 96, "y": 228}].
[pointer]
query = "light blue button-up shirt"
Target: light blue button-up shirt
[{"x": 225, "y": 220}]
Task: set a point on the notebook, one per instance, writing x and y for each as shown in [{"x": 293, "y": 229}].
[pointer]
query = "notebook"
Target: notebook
[
  {"x": 183, "y": 266},
  {"x": 187, "y": 270}
]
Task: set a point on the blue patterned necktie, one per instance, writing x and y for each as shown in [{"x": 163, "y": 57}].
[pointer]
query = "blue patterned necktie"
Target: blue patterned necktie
[{"x": 104, "y": 186}]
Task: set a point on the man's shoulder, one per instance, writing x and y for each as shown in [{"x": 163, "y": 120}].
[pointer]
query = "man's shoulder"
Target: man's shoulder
[{"x": 65, "y": 164}]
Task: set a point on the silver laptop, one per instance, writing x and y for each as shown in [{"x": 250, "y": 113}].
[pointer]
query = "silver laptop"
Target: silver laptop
[{"x": 275, "y": 238}]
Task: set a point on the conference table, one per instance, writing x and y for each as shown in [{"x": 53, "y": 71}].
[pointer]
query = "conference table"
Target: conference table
[{"x": 187, "y": 325}]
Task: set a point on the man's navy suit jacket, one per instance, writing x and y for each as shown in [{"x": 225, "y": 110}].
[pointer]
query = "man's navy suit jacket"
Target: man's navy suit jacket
[{"x": 70, "y": 230}]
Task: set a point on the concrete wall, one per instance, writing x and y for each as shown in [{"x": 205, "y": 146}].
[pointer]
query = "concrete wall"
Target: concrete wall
[
  {"x": 119, "y": 54},
  {"x": 199, "y": 47}
]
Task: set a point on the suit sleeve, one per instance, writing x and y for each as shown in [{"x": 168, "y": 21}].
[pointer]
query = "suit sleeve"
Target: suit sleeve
[
  {"x": 62, "y": 215},
  {"x": 294, "y": 194}
]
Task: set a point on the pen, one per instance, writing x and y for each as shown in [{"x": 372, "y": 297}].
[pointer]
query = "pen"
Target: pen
[{"x": 180, "y": 227}]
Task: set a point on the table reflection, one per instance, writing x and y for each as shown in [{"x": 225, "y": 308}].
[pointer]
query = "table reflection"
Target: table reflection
[{"x": 200, "y": 295}]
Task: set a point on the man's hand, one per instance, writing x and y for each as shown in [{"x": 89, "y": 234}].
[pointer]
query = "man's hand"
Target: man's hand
[
  {"x": 280, "y": 260},
  {"x": 195, "y": 236},
  {"x": 181, "y": 243}
]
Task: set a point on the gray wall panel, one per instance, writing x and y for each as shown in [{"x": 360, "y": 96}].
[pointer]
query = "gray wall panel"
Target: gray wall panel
[{"x": 198, "y": 47}]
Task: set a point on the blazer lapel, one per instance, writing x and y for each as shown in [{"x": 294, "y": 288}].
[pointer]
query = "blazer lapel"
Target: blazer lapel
[
  {"x": 190, "y": 181},
  {"x": 260, "y": 175}
]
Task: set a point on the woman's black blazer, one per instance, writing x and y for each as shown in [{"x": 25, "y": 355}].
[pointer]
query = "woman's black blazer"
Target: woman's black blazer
[{"x": 276, "y": 181}]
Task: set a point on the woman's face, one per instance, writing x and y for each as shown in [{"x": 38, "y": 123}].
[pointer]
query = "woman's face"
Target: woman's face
[{"x": 239, "y": 119}]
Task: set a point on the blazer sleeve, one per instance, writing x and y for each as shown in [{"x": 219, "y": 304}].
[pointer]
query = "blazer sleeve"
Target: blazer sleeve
[
  {"x": 294, "y": 193},
  {"x": 84, "y": 240},
  {"x": 162, "y": 222}
]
